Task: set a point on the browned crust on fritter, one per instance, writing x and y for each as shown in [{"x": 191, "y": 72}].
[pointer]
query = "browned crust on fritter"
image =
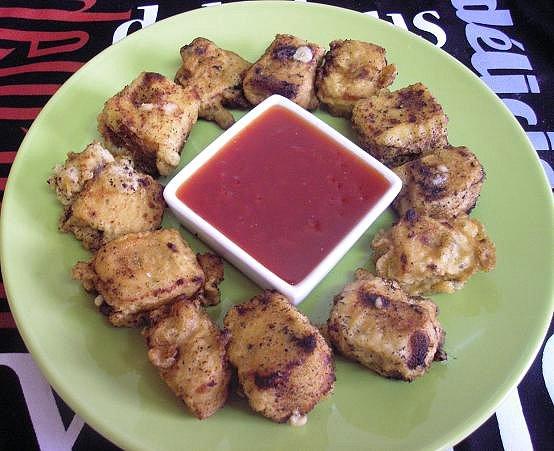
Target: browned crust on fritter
[
  {"x": 443, "y": 184},
  {"x": 212, "y": 265},
  {"x": 94, "y": 214},
  {"x": 140, "y": 272},
  {"x": 427, "y": 255},
  {"x": 216, "y": 76},
  {"x": 376, "y": 324},
  {"x": 278, "y": 72},
  {"x": 149, "y": 119},
  {"x": 396, "y": 127},
  {"x": 284, "y": 364},
  {"x": 189, "y": 351},
  {"x": 352, "y": 70},
  {"x": 79, "y": 167}
]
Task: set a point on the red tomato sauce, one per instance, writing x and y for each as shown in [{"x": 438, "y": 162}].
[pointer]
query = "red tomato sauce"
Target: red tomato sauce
[{"x": 284, "y": 192}]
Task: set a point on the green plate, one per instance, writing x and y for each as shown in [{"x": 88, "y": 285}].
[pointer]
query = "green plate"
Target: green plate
[{"x": 494, "y": 325}]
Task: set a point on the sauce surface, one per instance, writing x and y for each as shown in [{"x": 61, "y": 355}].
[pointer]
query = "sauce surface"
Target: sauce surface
[{"x": 283, "y": 191}]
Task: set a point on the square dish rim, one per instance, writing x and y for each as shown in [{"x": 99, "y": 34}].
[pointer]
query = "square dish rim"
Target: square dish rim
[{"x": 239, "y": 257}]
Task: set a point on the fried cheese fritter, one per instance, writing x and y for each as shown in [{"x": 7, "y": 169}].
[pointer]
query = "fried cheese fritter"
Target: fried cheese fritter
[
  {"x": 352, "y": 70},
  {"x": 117, "y": 200},
  {"x": 442, "y": 184},
  {"x": 288, "y": 67},
  {"x": 189, "y": 351},
  {"x": 212, "y": 265},
  {"x": 284, "y": 365},
  {"x": 398, "y": 126},
  {"x": 68, "y": 179},
  {"x": 150, "y": 119},
  {"x": 427, "y": 255},
  {"x": 139, "y": 272},
  {"x": 216, "y": 76},
  {"x": 378, "y": 325}
]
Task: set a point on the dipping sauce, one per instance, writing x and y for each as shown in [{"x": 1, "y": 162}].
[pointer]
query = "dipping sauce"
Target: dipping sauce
[{"x": 284, "y": 192}]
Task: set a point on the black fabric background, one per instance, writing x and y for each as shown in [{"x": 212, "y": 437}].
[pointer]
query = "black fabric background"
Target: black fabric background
[{"x": 533, "y": 26}]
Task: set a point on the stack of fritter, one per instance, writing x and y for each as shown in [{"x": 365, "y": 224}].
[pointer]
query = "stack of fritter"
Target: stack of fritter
[
  {"x": 154, "y": 280},
  {"x": 144, "y": 276}
]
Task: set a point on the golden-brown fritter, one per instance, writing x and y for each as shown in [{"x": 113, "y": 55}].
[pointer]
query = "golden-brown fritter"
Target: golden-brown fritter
[
  {"x": 288, "y": 67},
  {"x": 442, "y": 184},
  {"x": 189, "y": 351},
  {"x": 352, "y": 70},
  {"x": 149, "y": 119},
  {"x": 212, "y": 265},
  {"x": 116, "y": 201},
  {"x": 427, "y": 255},
  {"x": 139, "y": 272},
  {"x": 378, "y": 325},
  {"x": 216, "y": 76},
  {"x": 398, "y": 126},
  {"x": 284, "y": 365},
  {"x": 68, "y": 179}
]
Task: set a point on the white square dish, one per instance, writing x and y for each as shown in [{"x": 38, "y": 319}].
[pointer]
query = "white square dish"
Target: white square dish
[{"x": 238, "y": 256}]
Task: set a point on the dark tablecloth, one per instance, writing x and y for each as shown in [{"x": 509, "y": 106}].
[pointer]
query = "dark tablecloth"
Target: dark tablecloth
[{"x": 509, "y": 44}]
